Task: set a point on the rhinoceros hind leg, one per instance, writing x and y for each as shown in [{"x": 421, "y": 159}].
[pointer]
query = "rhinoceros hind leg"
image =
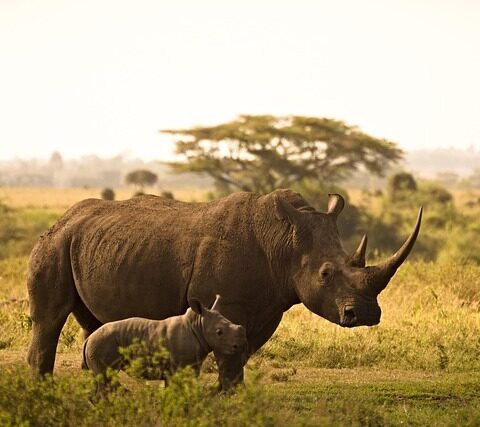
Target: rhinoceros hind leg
[
  {"x": 43, "y": 346},
  {"x": 52, "y": 298}
]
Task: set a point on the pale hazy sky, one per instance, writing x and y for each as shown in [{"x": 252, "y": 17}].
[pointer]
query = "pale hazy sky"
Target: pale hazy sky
[{"x": 102, "y": 76}]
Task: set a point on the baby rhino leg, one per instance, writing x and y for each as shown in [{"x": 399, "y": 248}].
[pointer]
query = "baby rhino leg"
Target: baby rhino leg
[{"x": 98, "y": 356}]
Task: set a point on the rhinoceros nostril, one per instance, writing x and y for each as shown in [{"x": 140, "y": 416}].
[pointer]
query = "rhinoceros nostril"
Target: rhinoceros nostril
[{"x": 349, "y": 314}]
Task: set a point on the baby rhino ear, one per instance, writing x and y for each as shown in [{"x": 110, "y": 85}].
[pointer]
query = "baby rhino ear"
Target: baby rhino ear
[{"x": 196, "y": 306}]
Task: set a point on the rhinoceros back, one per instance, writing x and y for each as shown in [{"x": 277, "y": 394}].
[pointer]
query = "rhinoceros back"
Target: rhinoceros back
[{"x": 136, "y": 257}]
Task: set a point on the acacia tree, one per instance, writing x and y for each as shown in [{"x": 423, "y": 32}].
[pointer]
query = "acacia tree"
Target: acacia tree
[
  {"x": 263, "y": 152},
  {"x": 141, "y": 178}
]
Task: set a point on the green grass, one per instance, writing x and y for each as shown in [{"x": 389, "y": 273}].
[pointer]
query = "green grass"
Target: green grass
[
  {"x": 20, "y": 228},
  {"x": 311, "y": 397},
  {"x": 353, "y": 397}
]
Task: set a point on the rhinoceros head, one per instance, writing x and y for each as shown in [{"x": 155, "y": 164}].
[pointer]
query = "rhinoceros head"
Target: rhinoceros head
[
  {"x": 221, "y": 334},
  {"x": 331, "y": 283}
]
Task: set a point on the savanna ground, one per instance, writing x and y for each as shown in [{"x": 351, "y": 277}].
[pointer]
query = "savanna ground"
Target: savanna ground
[{"x": 419, "y": 366}]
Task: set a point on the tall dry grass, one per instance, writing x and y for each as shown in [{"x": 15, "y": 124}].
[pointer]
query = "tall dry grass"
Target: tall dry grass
[{"x": 60, "y": 199}]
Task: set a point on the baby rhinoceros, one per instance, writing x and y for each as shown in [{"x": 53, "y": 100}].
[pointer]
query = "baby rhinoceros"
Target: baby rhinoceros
[{"x": 188, "y": 339}]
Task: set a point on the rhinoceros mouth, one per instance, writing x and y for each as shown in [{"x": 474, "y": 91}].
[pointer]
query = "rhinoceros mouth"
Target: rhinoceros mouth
[
  {"x": 234, "y": 350},
  {"x": 348, "y": 317}
]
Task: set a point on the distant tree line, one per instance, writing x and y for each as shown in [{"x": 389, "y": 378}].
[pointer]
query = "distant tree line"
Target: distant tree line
[{"x": 88, "y": 171}]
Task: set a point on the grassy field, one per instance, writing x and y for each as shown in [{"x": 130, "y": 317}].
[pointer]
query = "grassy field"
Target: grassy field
[
  {"x": 59, "y": 199},
  {"x": 420, "y": 366}
]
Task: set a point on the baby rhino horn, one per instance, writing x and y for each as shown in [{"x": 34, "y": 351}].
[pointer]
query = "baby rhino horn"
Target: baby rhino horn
[{"x": 217, "y": 299}]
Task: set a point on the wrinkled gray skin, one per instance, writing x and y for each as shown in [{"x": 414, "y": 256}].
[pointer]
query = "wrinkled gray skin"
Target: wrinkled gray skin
[
  {"x": 188, "y": 338},
  {"x": 145, "y": 257}
]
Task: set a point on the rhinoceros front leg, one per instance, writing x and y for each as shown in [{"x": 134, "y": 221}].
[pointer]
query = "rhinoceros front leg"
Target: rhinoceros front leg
[
  {"x": 230, "y": 370},
  {"x": 259, "y": 337},
  {"x": 230, "y": 367}
]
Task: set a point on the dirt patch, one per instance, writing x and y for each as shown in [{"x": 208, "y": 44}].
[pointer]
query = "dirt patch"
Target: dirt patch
[{"x": 64, "y": 362}]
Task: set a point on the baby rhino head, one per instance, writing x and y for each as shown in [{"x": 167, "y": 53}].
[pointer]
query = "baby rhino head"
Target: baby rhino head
[{"x": 221, "y": 335}]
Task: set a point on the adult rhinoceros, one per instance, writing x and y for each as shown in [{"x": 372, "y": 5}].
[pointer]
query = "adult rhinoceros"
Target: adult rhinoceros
[{"x": 147, "y": 256}]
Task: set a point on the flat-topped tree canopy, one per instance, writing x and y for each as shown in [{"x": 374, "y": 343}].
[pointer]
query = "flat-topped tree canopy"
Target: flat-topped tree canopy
[{"x": 262, "y": 152}]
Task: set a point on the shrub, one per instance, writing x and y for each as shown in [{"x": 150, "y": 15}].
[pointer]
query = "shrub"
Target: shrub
[
  {"x": 142, "y": 363},
  {"x": 167, "y": 194},
  {"x": 434, "y": 193},
  {"x": 187, "y": 401},
  {"x": 108, "y": 194},
  {"x": 400, "y": 184}
]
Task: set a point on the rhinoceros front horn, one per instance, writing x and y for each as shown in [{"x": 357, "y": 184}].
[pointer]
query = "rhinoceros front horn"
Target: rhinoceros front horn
[{"x": 380, "y": 274}]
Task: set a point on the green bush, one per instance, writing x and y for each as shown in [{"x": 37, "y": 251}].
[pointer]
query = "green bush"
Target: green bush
[
  {"x": 400, "y": 185},
  {"x": 167, "y": 194},
  {"x": 187, "y": 401},
  {"x": 107, "y": 194},
  {"x": 21, "y": 228},
  {"x": 142, "y": 363}
]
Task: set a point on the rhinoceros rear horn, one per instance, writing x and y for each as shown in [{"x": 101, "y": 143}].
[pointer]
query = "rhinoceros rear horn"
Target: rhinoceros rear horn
[
  {"x": 215, "y": 303},
  {"x": 358, "y": 258},
  {"x": 335, "y": 204},
  {"x": 381, "y": 274}
]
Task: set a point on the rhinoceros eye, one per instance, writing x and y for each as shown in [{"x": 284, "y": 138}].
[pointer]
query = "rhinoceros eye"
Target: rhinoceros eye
[
  {"x": 219, "y": 332},
  {"x": 326, "y": 272}
]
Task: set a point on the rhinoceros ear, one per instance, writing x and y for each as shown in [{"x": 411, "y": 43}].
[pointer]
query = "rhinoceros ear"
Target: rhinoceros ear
[
  {"x": 196, "y": 306},
  {"x": 284, "y": 210},
  {"x": 335, "y": 204}
]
